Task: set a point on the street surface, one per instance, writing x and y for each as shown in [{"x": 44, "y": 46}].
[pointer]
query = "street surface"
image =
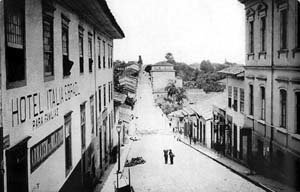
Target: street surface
[{"x": 191, "y": 170}]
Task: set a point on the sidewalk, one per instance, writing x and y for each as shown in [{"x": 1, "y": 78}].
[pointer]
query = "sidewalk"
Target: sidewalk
[
  {"x": 258, "y": 180},
  {"x": 110, "y": 181}
]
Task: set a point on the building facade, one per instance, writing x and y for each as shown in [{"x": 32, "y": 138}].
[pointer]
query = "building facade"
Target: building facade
[
  {"x": 236, "y": 140},
  {"x": 57, "y": 91},
  {"x": 162, "y": 74},
  {"x": 272, "y": 89}
]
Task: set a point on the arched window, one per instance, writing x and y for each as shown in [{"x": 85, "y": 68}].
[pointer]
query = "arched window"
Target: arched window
[
  {"x": 263, "y": 103},
  {"x": 283, "y": 108},
  {"x": 297, "y": 112}
]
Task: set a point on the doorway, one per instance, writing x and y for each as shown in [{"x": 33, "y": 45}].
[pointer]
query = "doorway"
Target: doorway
[{"x": 17, "y": 170}]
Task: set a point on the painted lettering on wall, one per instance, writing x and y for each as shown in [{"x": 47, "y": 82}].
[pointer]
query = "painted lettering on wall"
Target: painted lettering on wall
[
  {"x": 41, "y": 108},
  {"x": 43, "y": 149}
]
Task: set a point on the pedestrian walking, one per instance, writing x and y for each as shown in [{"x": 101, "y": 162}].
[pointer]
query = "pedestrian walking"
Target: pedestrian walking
[
  {"x": 171, "y": 154},
  {"x": 166, "y": 156}
]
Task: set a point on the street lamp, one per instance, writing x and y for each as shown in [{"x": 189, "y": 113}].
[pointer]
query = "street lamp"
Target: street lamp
[{"x": 119, "y": 126}]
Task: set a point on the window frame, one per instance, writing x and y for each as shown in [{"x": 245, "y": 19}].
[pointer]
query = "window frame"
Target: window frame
[
  {"x": 68, "y": 140},
  {"x": 251, "y": 100},
  {"x": 65, "y": 54},
  {"x": 9, "y": 8},
  {"x": 83, "y": 125},
  {"x": 283, "y": 109},
  {"x": 235, "y": 98},
  {"x": 99, "y": 53},
  {"x": 100, "y": 99},
  {"x": 81, "y": 48},
  {"x": 263, "y": 103},
  {"x": 242, "y": 100},
  {"x": 104, "y": 95},
  {"x": 297, "y": 112},
  {"x": 103, "y": 57},
  {"x": 90, "y": 51},
  {"x": 48, "y": 16},
  {"x": 229, "y": 96},
  {"x": 283, "y": 29},
  {"x": 263, "y": 34}
]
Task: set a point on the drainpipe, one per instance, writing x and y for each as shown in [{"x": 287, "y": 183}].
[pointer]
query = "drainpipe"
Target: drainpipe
[{"x": 272, "y": 82}]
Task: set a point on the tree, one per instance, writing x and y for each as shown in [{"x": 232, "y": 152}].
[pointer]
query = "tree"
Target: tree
[
  {"x": 148, "y": 68},
  {"x": 206, "y": 66},
  {"x": 171, "y": 89},
  {"x": 180, "y": 95},
  {"x": 170, "y": 58}
]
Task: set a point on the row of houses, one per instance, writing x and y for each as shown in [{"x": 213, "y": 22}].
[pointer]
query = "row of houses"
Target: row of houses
[
  {"x": 259, "y": 125},
  {"x": 58, "y": 122},
  {"x": 125, "y": 94}
]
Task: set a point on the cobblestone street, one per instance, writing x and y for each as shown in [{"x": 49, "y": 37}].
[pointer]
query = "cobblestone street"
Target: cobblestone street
[{"x": 191, "y": 171}]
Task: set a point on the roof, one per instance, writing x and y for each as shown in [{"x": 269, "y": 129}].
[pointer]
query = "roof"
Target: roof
[
  {"x": 98, "y": 14},
  {"x": 119, "y": 97},
  {"x": 235, "y": 70},
  {"x": 205, "y": 107},
  {"x": 189, "y": 110},
  {"x": 163, "y": 63}
]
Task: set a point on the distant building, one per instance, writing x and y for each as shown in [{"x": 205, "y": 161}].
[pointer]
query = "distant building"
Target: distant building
[
  {"x": 162, "y": 74},
  {"x": 57, "y": 93},
  {"x": 272, "y": 92}
]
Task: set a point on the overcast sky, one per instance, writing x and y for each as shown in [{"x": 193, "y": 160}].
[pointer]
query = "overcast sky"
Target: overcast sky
[{"x": 192, "y": 30}]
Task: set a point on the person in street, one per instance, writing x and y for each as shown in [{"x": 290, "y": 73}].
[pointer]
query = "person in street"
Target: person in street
[
  {"x": 166, "y": 156},
  {"x": 171, "y": 154}
]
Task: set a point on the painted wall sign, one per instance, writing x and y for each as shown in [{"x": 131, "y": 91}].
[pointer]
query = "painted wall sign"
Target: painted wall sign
[
  {"x": 43, "y": 149},
  {"x": 41, "y": 108}
]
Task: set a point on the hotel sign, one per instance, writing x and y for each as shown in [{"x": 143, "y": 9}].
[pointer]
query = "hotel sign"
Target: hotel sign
[{"x": 43, "y": 149}]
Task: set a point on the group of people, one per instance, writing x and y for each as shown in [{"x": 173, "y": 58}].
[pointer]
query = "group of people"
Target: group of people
[{"x": 168, "y": 152}]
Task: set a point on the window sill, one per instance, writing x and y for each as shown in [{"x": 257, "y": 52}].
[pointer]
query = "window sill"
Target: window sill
[
  {"x": 296, "y": 50},
  {"x": 281, "y": 130},
  {"x": 263, "y": 122},
  {"x": 262, "y": 53},
  {"x": 250, "y": 55},
  {"x": 16, "y": 84},
  {"x": 49, "y": 78},
  {"x": 296, "y": 136},
  {"x": 283, "y": 51},
  {"x": 250, "y": 117}
]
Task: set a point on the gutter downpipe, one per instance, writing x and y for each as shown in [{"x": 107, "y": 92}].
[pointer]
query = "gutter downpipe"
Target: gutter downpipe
[{"x": 272, "y": 83}]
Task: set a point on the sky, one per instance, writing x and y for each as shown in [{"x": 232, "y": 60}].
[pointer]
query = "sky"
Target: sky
[{"x": 192, "y": 30}]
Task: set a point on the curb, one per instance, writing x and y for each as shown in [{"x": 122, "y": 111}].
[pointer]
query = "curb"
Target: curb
[{"x": 231, "y": 169}]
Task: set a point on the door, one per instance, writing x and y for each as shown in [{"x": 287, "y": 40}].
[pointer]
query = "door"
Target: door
[
  {"x": 234, "y": 141},
  {"x": 17, "y": 175}
]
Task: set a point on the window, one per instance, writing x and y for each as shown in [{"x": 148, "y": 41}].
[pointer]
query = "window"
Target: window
[
  {"x": 104, "y": 95},
  {"x": 298, "y": 24},
  {"x": 48, "y": 41},
  {"x": 90, "y": 49},
  {"x": 103, "y": 46},
  {"x": 283, "y": 29},
  {"x": 229, "y": 96},
  {"x": 100, "y": 102},
  {"x": 108, "y": 55},
  {"x": 81, "y": 52},
  {"x": 242, "y": 102},
  {"x": 68, "y": 143},
  {"x": 82, "y": 125},
  {"x": 283, "y": 115},
  {"x": 67, "y": 64},
  {"x": 92, "y": 112},
  {"x": 15, "y": 42},
  {"x": 263, "y": 103},
  {"x": 251, "y": 36},
  {"x": 263, "y": 34},
  {"x": 108, "y": 92},
  {"x": 251, "y": 100},
  {"x": 99, "y": 53},
  {"x": 235, "y": 97},
  {"x": 298, "y": 112},
  {"x": 111, "y": 56}
]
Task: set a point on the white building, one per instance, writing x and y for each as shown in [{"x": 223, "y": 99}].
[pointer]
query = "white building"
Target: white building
[
  {"x": 57, "y": 90},
  {"x": 162, "y": 74},
  {"x": 236, "y": 141}
]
